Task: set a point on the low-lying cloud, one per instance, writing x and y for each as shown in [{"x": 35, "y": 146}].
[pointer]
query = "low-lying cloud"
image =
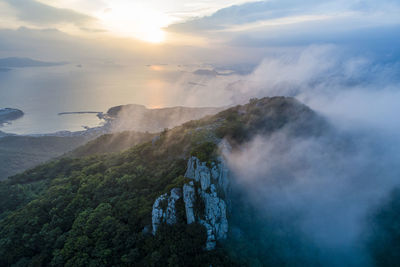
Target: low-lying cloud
[
  {"x": 328, "y": 184},
  {"x": 325, "y": 186}
]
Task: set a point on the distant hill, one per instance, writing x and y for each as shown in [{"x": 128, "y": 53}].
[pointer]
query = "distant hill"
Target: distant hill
[
  {"x": 18, "y": 62},
  {"x": 9, "y": 114},
  {"x": 139, "y": 118}
]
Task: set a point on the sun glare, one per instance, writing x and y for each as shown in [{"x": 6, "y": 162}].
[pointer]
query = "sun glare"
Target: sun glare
[
  {"x": 154, "y": 36},
  {"x": 130, "y": 20}
]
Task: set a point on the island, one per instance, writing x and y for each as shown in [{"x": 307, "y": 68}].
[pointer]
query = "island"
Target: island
[
  {"x": 18, "y": 62},
  {"x": 9, "y": 114}
]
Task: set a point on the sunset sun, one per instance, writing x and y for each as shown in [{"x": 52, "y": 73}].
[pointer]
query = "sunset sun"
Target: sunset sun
[{"x": 136, "y": 22}]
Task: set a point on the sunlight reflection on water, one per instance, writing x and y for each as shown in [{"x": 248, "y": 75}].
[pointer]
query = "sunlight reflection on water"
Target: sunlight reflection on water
[{"x": 42, "y": 93}]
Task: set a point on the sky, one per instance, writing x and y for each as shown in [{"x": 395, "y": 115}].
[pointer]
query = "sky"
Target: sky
[
  {"x": 223, "y": 28},
  {"x": 137, "y": 19},
  {"x": 158, "y": 21}
]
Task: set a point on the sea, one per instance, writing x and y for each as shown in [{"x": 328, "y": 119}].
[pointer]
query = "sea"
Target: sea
[{"x": 44, "y": 92}]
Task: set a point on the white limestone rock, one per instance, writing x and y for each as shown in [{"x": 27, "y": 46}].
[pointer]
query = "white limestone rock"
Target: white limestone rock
[
  {"x": 158, "y": 213},
  {"x": 205, "y": 179},
  {"x": 164, "y": 209},
  {"x": 191, "y": 167},
  {"x": 176, "y": 194},
  {"x": 189, "y": 199},
  {"x": 210, "y": 179},
  {"x": 215, "y": 213},
  {"x": 201, "y": 172}
]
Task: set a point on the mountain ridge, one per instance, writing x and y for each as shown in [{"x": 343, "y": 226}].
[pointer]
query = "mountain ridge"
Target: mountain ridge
[{"x": 97, "y": 210}]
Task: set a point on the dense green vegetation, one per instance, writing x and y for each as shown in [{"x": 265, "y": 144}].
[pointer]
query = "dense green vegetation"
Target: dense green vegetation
[
  {"x": 111, "y": 143},
  {"x": 96, "y": 210},
  {"x": 18, "y": 153}
]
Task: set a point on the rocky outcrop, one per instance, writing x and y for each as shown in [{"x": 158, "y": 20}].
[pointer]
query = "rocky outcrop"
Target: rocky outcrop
[
  {"x": 217, "y": 174},
  {"x": 203, "y": 198},
  {"x": 189, "y": 198},
  {"x": 215, "y": 219},
  {"x": 164, "y": 209}
]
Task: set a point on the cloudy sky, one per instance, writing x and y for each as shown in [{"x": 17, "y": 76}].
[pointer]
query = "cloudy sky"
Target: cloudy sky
[{"x": 159, "y": 21}]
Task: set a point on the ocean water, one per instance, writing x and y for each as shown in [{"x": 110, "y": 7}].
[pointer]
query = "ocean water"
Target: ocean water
[{"x": 44, "y": 92}]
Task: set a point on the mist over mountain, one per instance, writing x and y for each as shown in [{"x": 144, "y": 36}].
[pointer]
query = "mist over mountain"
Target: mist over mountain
[
  {"x": 264, "y": 133},
  {"x": 139, "y": 118},
  {"x": 300, "y": 193},
  {"x": 145, "y": 171}
]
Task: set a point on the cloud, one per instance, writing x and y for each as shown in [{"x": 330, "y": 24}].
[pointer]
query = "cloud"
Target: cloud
[
  {"x": 41, "y": 14},
  {"x": 322, "y": 72},
  {"x": 237, "y": 14},
  {"x": 291, "y": 22},
  {"x": 321, "y": 189}
]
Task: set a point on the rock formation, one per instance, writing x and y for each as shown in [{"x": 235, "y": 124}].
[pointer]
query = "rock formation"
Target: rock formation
[
  {"x": 164, "y": 209},
  {"x": 209, "y": 186}
]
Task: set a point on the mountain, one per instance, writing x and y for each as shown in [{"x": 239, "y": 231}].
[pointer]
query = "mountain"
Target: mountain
[
  {"x": 126, "y": 126},
  {"x": 18, "y": 62},
  {"x": 139, "y": 118},
  {"x": 163, "y": 202}
]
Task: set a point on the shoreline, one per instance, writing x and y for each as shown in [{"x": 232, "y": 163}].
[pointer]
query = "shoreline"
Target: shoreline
[{"x": 87, "y": 131}]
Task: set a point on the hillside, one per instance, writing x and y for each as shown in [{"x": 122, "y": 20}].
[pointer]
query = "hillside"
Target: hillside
[
  {"x": 126, "y": 126},
  {"x": 19, "y": 153},
  {"x": 139, "y": 118},
  {"x": 100, "y": 210},
  {"x": 111, "y": 143}
]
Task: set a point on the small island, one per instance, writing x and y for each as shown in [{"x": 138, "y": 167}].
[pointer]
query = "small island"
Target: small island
[{"x": 9, "y": 114}]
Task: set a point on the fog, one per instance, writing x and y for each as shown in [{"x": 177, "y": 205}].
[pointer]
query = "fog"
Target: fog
[{"x": 323, "y": 188}]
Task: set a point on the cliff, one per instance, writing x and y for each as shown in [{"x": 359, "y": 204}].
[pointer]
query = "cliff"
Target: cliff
[{"x": 203, "y": 199}]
